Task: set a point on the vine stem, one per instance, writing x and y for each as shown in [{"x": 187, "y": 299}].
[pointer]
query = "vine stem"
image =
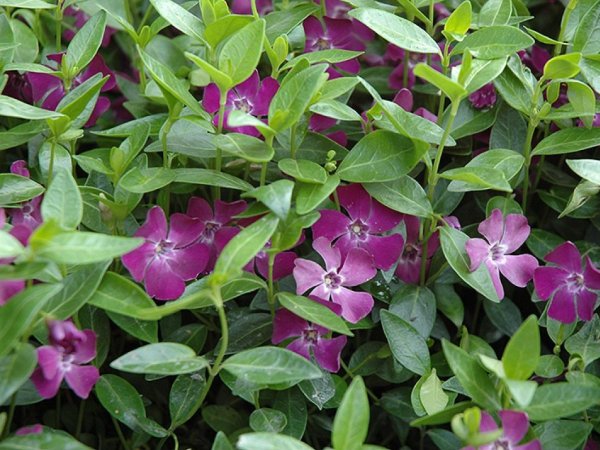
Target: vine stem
[
  {"x": 271, "y": 288},
  {"x": 120, "y": 433},
  {"x": 58, "y": 16},
  {"x": 433, "y": 175},
  {"x": 563, "y": 26},
  {"x": 11, "y": 414},
  {"x": 219, "y": 152},
  {"x": 51, "y": 163}
]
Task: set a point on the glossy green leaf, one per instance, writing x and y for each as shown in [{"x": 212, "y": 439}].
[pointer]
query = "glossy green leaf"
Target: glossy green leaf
[
  {"x": 568, "y": 140},
  {"x": 336, "y": 110},
  {"x": 494, "y": 42},
  {"x": 459, "y": 21},
  {"x": 586, "y": 342},
  {"x": 165, "y": 358},
  {"x": 151, "y": 179},
  {"x": 404, "y": 195},
  {"x": 303, "y": 170},
  {"x": 42, "y": 441},
  {"x": 331, "y": 56},
  {"x": 267, "y": 420},
  {"x": 310, "y": 195},
  {"x": 270, "y": 441},
  {"x": 15, "y": 370},
  {"x": 416, "y": 306},
  {"x": 351, "y": 422},
  {"x": 508, "y": 162},
  {"x": 185, "y": 397},
  {"x": 10, "y": 107},
  {"x": 522, "y": 353},
  {"x": 224, "y": 27},
  {"x": 396, "y": 30},
  {"x": 452, "y": 89},
  {"x": 283, "y": 22},
  {"x": 476, "y": 178},
  {"x": 62, "y": 201},
  {"x": 406, "y": 344},
  {"x": 243, "y": 146},
  {"x": 587, "y": 34},
  {"x": 240, "y": 54},
  {"x": 563, "y": 434},
  {"x": 29, "y": 4},
  {"x": 562, "y": 66},
  {"x": 180, "y": 18},
  {"x": 557, "y": 400},
  {"x": 277, "y": 196},
  {"x": 85, "y": 44},
  {"x": 495, "y": 12},
  {"x": 119, "y": 295},
  {"x": 431, "y": 394},
  {"x": 208, "y": 177},
  {"x": 313, "y": 312}
]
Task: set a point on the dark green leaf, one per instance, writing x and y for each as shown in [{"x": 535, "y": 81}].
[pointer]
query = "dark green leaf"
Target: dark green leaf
[
  {"x": 165, "y": 358},
  {"x": 406, "y": 344}
]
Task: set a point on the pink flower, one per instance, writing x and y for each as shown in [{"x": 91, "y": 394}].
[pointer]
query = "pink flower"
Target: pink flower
[
  {"x": 568, "y": 285},
  {"x": 404, "y": 99},
  {"x": 365, "y": 227},
  {"x": 504, "y": 236},
  {"x": 333, "y": 282},
  {"x": 319, "y": 123},
  {"x": 250, "y": 96},
  {"x": 514, "y": 428},
  {"x": 9, "y": 288},
  {"x": 245, "y": 6},
  {"x": 30, "y": 429},
  {"x": 69, "y": 348},
  {"x": 311, "y": 338},
  {"x": 484, "y": 97},
  {"x": 48, "y": 90},
  {"x": 28, "y": 216},
  {"x": 169, "y": 257}
]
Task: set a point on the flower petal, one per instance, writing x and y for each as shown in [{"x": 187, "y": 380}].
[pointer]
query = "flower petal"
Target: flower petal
[
  {"x": 184, "y": 230},
  {"x": 331, "y": 256},
  {"x": 586, "y": 303},
  {"x": 49, "y": 360},
  {"x": 385, "y": 249},
  {"x": 495, "y": 274},
  {"x": 287, "y": 324},
  {"x": 356, "y": 201},
  {"x": 46, "y": 387},
  {"x": 155, "y": 227},
  {"x": 519, "y": 269},
  {"x": 327, "y": 352},
  {"x": 382, "y": 218},
  {"x": 591, "y": 275},
  {"x": 358, "y": 268},
  {"x": 492, "y": 227},
  {"x": 302, "y": 347},
  {"x": 262, "y": 100},
  {"x": 282, "y": 266},
  {"x": 514, "y": 424},
  {"x": 516, "y": 232},
  {"x": 532, "y": 445},
  {"x": 82, "y": 379},
  {"x": 307, "y": 274},
  {"x": 189, "y": 262},
  {"x": 331, "y": 225},
  {"x": 137, "y": 260},
  {"x": 224, "y": 211},
  {"x": 355, "y": 305},
  {"x": 211, "y": 98},
  {"x": 547, "y": 279},
  {"x": 249, "y": 87},
  {"x": 487, "y": 423},
  {"x": 562, "y": 306},
  {"x": 200, "y": 209},
  {"x": 566, "y": 256},
  {"x": 85, "y": 349},
  {"x": 478, "y": 251},
  {"x": 161, "y": 282}
]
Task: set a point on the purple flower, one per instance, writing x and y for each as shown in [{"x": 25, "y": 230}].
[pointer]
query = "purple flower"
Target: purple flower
[
  {"x": 48, "y": 90},
  {"x": 9, "y": 288},
  {"x": 569, "y": 285},
  {"x": 169, "y": 257},
  {"x": 30, "y": 429},
  {"x": 535, "y": 59},
  {"x": 337, "y": 9},
  {"x": 409, "y": 264},
  {"x": 80, "y": 20},
  {"x": 245, "y": 6},
  {"x": 333, "y": 35},
  {"x": 311, "y": 338},
  {"x": 484, "y": 97},
  {"x": 514, "y": 428},
  {"x": 395, "y": 55},
  {"x": 250, "y": 96},
  {"x": 69, "y": 348},
  {"x": 368, "y": 220},
  {"x": 28, "y": 216},
  {"x": 333, "y": 282},
  {"x": 215, "y": 223},
  {"x": 504, "y": 236},
  {"x": 319, "y": 123},
  {"x": 404, "y": 99}
]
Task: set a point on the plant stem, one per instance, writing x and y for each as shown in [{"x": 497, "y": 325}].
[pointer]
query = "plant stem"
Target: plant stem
[
  {"x": 80, "y": 418},
  {"x": 271, "y": 290},
  {"x": 11, "y": 414},
  {"x": 219, "y": 153},
  {"x": 433, "y": 175},
  {"x": 405, "y": 66},
  {"x": 563, "y": 26},
  {"x": 293, "y": 142},
  {"x": 120, "y": 433},
  {"x": 58, "y": 16},
  {"x": 51, "y": 163}
]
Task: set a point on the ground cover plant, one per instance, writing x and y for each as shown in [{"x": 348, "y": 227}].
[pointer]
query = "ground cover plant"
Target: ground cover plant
[{"x": 262, "y": 225}]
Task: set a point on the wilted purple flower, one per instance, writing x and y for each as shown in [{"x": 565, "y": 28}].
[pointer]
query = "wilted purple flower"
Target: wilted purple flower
[
  {"x": 484, "y": 97},
  {"x": 250, "y": 96},
  {"x": 514, "y": 428},
  {"x": 333, "y": 34},
  {"x": 504, "y": 236},
  {"x": 30, "y": 429},
  {"x": 569, "y": 285},
  {"x": 80, "y": 20},
  {"x": 364, "y": 229},
  {"x": 215, "y": 223},
  {"x": 311, "y": 337},
  {"x": 169, "y": 257},
  {"x": 49, "y": 90},
  {"x": 69, "y": 348},
  {"x": 333, "y": 282},
  {"x": 536, "y": 58}
]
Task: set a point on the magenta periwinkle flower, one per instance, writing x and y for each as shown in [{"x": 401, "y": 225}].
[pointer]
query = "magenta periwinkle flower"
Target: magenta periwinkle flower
[
  {"x": 332, "y": 34},
  {"x": 48, "y": 90},
  {"x": 332, "y": 283},
  {"x": 28, "y": 216},
  {"x": 30, "y": 429},
  {"x": 251, "y": 96},
  {"x": 311, "y": 338},
  {"x": 404, "y": 99},
  {"x": 484, "y": 97},
  {"x": 568, "y": 285},
  {"x": 9, "y": 288},
  {"x": 245, "y": 6},
  {"x": 364, "y": 227},
  {"x": 64, "y": 358},
  {"x": 504, "y": 235},
  {"x": 170, "y": 256},
  {"x": 514, "y": 428}
]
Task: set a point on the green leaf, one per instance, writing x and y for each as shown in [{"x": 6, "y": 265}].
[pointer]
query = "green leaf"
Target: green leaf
[
  {"x": 459, "y": 21},
  {"x": 336, "y": 110},
  {"x": 583, "y": 100},
  {"x": 452, "y": 89},
  {"x": 505, "y": 316},
  {"x": 432, "y": 396},
  {"x": 42, "y": 441},
  {"x": 76, "y": 247},
  {"x": 556, "y": 400},
  {"x": 10, "y": 107},
  {"x": 145, "y": 331},
  {"x": 185, "y": 397},
  {"x": 406, "y": 344},
  {"x": 309, "y": 196},
  {"x": 549, "y": 366},
  {"x": 15, "y": 370},
  {"x": 396, "y": 30},
  {"x": 85, "y": 44},
  {"x": 381, "y": 156},
  {"x": 119, "y": 295},
  {"x": 495, "y": 12},
  {"x": 270, "y": 441},
  {"x": 283, "y": 22},
  {"x": 313, "y": 312},
  {"x": 243, "y": 146},
  {"x": 562, "y": 66},
  {"x": 267, "y": 420},
  {"x": 483, "y": 72},
  {"x": 404, "y": 195},
  {"x": 122, "y": 401},
  {"x": 586, "y": 342},
  {"x": 416, "y": 306},
  {"x": 443, "y": 416},
  {"x": 141, "y": 181},
  {"x": 303, "y": 170},
  {"x": 28, "y": 4},
  {"x": 270, "y": 365},
  {"x": 277, "y": 196},
  {"x": 563, "y": 434},
  {"x": 209, "y": 177},
  {"x": 476, "y": 179},
  {"x": 471, "y": 376},
  {"x": 590, "y": 69},
  {"x": 17, "y": 315},
  {"x": 351, "y": 422},
  {"x": 166, "y": 79},
  {"x": 507, "y": 162},
  {"x": 221, "y": 79},
  {"x": 294, "y": 96},
  {"x": 62, "y": 202},
  {"x": 453, "y": 245},
  {"x": 331, "y": 56},
  {"x": 588, "y": 33},
  {"x": 224, "y": 27},
  {"x": 10, "y": 247},
  {"x": 20, "y": 134},
  {"x": 522, "y": 352},
  {"x": 239, "y": 56},
  {"x": 583, "y": 192},
  {"x": 494, "y": 42},
  {"x": 245, "y": 245},
  {"x": 569, "y": 140},
  {"x": 180, "y": 18},
  {"x": 165, "y": 358}
]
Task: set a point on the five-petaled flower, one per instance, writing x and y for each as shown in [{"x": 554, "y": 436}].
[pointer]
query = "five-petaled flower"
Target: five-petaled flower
[
  {"x": 504, "y": 236},
  {"x": 69, "y": 349},
  {"x": 311, "y": 339},
  {"x": 333, "y": 281},
  {"x": 568, "y": 285},
  {"x": 170, "y": 256},
  {"x": 514, "y": 428}
]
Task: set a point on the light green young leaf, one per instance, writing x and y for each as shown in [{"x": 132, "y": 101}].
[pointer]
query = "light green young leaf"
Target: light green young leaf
[
  {"x": 62, "y": 202},
  {"x": 85, "y": 44},
  {"x": 432, "y": 396},
  {"x": 495, "y": 12},
  {"x": 452, "y": 89},
  {"x": 459, "y": 21},
  {"x": 494, "y": 42},
  {"x": 351, "y": 422},
  {"x": 522, "y": 353},
  {"x": 277, "y": 196},
  {"x": 240, "y": 54},
  {"x": 180, "y": 18},
  {"x": 588, "y": 169}
]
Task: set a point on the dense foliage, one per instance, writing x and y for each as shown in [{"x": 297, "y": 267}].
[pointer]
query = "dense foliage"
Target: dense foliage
[{"x": 292, "y": 224}]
